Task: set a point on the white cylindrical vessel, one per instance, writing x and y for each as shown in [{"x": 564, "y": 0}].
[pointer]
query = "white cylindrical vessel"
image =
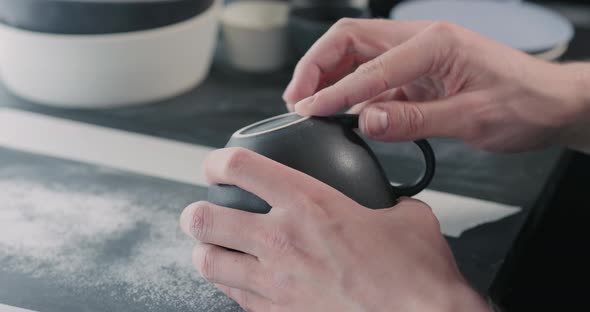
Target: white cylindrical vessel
[
  {"x": 107, "y": 70},
  {"x": 254, "y": 34}
]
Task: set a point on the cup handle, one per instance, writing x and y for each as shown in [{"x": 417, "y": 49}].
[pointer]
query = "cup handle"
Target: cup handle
[{"x": 352, "y": 121}]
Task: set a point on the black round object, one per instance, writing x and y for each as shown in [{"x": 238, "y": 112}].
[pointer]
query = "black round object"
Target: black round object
[
  {"x": 326, "y": 148},
  {"x": 87, "y": 17}
]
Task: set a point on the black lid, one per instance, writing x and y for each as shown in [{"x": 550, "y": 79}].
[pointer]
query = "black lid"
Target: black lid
[{"x": 97, "y": 16}]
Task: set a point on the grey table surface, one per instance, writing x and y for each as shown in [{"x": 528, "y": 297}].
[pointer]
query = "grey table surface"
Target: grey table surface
[{"x": 152, "y": 247}]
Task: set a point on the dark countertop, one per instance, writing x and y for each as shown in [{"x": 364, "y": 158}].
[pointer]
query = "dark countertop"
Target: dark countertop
[{"x": 208, "y": 115}]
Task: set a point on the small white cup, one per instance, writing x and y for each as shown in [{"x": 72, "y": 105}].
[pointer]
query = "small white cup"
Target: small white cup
[{"x": 254, "y": 34}]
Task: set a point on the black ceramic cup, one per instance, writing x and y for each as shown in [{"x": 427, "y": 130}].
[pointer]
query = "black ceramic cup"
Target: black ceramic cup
[
  {"x": 307, "y": 24},
  {"x": 326, "y": 148}
]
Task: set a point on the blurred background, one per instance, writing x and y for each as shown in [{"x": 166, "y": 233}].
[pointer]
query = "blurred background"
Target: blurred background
[{"x": 130, "y": 52}]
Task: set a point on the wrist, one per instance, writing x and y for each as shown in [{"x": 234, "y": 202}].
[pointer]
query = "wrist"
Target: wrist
[
  {"x": 455, "y": 298},
  {"x": 470, "y": 301},
  {"x": 576, "y": 133},
  {"x": 580, "y": 80}
]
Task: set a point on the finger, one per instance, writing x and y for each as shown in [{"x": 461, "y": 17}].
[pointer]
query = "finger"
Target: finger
[
  {"x": 322, "y": 58},
  {"x": 410, "y": 121},
  {"x": 389, "y": 95},
  {"x": 248, "y": 301},
  {"x": 346, "y": 66},
  {"x": 416, "y": 213},
  {"x": 279, "y": 185},
  {"x": 231, "y": 228},
  {"x": 222, "y": 266},
  {"x": 346, "y": 37},
  {"x": 397, "y": 94},
  {"x": 405, "y": 63}
]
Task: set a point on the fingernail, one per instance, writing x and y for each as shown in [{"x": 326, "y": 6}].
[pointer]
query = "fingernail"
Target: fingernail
[
  {"x": 377, "y": 121},
  {"x": 305, "y": 103}
]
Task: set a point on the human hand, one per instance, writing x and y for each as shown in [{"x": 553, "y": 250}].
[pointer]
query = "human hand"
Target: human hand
[
  {"x": 318, "y": 250},
  {"x": 414, "y": 80}
]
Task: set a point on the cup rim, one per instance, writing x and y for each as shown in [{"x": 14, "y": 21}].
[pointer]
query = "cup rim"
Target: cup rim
[{"x": 240, "y": 133}]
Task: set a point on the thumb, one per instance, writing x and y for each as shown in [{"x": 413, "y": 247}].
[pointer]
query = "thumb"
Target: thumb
[{"x": 410, "y": 121}]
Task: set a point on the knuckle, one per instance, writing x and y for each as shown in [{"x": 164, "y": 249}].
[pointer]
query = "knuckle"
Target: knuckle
[
  {"x": 444, "y": 29},
  {"x": 406, "y": 120},
  {"x": 316, "y": 206},
  {"x": 245, "y": 301},
  {"x": 345, "y": 24},
  {"x": 243, "y": 298},
  {"x": 376, "y": 69},
  {"x": 313, "y": 199},
  {"x": 277, "y": 240},
  {"x": 370, "y": 67},
  {"x": 282, "y": 286},
  {"x": 201, "y": 220},
  {"x": 255, "y": 278},
  {"x": 426, "y": 214},
  {"x": 322, "y": 96},
  {"x": 447, "y": 38},
  {"x": 413, "y": 119},
  {"x": 205, "y": 261},
  {"x": 236, "y": 160},
  {"x": 423, "y": 217},
  {"x": 483, "y": 124},
  {"x": 476, "y": 132}
]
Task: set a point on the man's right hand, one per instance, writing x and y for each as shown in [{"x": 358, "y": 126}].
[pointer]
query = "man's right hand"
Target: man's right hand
[{"x": 413, "y": 80}]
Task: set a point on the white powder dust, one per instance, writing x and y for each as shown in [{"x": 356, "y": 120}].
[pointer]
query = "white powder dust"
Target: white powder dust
[{"x": 48, "y": 231}]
